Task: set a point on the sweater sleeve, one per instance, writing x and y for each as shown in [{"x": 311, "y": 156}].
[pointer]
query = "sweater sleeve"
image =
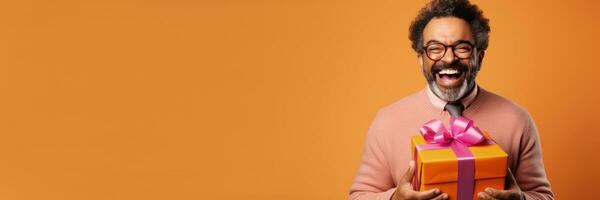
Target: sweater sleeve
[
  {"x": 373, "y": 180},
  {"x": 530, "y": 173}
]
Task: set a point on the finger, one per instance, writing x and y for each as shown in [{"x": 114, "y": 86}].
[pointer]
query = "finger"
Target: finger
[
  {"x": 407, "y": 178},
  {"x": 500, "y": 194},
  {"x": 429, "y": 194},
  {"x": 442, "y": 196},
  {"x": 512, "y": 182},
  {"x": 484, "y": 196}
]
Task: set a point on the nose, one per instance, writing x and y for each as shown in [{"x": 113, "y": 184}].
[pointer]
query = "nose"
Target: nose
[{"x": 449, "y": 56}]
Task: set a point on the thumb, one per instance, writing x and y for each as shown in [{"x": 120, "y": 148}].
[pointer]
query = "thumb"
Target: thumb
[
  {"x": 512, "y": 182},
  {"x": 409, "y": 173}
]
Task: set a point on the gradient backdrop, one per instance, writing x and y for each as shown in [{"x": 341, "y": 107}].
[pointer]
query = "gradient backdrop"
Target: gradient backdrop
[{"x": 258, "y": 99}]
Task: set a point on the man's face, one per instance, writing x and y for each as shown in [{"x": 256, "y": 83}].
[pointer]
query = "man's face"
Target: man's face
[{"x": 450, "y": 73}]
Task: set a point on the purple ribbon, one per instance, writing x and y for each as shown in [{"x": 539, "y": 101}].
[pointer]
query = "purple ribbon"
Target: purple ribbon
[{"x": 462, "y": 134}]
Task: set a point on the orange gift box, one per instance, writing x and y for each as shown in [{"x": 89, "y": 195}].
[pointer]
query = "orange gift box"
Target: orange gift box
[{"x": 438, "y": 168}]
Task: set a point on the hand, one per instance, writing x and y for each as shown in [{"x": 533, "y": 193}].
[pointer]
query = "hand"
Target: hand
[
  {"x": 404, "y": 189},
  {"x": 513, "y": 192}
]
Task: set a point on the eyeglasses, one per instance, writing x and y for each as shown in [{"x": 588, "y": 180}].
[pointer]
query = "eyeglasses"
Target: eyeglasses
[{"x": 436, "y": 51}]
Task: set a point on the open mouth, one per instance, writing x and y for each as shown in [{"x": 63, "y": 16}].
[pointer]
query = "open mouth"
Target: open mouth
[{"x": 450, "y": 77}]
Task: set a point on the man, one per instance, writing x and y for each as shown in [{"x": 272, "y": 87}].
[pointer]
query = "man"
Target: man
[{"x": 450, "y": 38}]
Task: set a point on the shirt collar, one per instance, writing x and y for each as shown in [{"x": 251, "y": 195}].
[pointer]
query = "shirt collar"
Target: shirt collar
[{"x": 440, "y": 103}]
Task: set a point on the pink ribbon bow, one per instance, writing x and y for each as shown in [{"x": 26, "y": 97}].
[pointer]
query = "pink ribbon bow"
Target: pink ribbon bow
[
  {"x": 461, "y": 130},
  {"x": 462, "y": 134}
]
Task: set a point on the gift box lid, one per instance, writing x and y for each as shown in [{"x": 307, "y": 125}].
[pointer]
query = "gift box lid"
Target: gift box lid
[{"x": 441, "y": 165}]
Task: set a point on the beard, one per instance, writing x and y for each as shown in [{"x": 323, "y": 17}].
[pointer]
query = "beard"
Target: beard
[{"x": 455, "y": 93}]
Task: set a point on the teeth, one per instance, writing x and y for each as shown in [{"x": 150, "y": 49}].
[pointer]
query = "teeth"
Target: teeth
[{"x": 449, "y": 71}]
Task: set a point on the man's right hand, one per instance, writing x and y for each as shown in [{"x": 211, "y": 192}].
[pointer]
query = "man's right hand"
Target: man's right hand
[{"x": 404, "y": 189}]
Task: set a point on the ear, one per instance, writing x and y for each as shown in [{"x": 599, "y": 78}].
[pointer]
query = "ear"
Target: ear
[
  {"x": 481, "y": 55},
  {"x": 420, "y": 60}
]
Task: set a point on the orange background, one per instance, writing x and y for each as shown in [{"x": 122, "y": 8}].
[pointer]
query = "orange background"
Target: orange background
[{"x": 267, "y": 99}]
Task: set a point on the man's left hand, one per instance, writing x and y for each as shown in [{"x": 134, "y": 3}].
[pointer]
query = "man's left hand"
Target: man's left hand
[{"x": 512, "y": 193}]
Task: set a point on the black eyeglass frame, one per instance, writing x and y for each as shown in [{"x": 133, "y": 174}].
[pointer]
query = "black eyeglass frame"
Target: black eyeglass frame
[{"x": 446, "y": 49}]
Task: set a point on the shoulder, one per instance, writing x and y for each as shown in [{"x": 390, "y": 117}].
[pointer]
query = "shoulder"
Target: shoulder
[
  {"x": 400, "y": 107},
  {"x": 503, "y": 108},
  {"x": 403, "y": 115}
]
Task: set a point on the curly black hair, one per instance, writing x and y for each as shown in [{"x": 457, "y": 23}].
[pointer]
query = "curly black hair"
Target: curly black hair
[{"x": 462, "y": 9}]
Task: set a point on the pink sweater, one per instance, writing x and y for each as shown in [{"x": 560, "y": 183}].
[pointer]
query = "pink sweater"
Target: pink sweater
[{"x": 387, "y": 150}]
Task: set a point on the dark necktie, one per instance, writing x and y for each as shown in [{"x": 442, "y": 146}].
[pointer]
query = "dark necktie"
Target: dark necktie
[{"x": 454, "y": 108}]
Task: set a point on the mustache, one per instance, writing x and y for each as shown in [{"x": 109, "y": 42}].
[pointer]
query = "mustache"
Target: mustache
[{"x": 439, "y": 66}]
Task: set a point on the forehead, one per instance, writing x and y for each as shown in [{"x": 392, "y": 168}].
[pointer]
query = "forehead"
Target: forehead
[{"x": 447, "y": 30}]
